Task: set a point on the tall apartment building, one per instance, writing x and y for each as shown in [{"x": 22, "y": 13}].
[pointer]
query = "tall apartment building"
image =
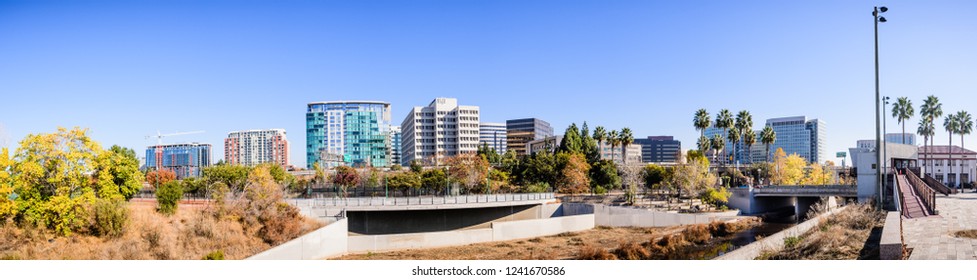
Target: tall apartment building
[
  {"x": 254, "y": 147},
  {"x": 353, "y": 133},
  {"x": 493, "y": 135},
  {"x": 441, "y": 129},
  {"x": 659, "y": 149},
  {"x": 186, "y": 160},
  {"x": 520, "y": 132},
  {"x": 395, "y": 141}
]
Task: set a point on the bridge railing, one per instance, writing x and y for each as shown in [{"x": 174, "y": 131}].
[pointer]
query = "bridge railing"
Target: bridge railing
[
  {"x": 933, "y": 183},
  {"x": 809, "y": 189},
  {"x": 897, "y": 194},
  {"x": 926, "y": 194},
  {"x": 426, "y": 200}
]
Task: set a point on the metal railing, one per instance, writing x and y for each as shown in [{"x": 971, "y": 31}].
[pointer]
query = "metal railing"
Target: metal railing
[
  {"x": 411, "y": 201},
  {"x": 926, "y": 194}
]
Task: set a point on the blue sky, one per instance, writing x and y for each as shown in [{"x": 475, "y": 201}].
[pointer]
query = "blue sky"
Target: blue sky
[{"x": 128, "y": 69}]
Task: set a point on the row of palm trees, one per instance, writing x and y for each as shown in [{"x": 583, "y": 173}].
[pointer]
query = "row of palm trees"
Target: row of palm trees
[
  {"x": 734, "y": 129},
  {"x": 615, "y": 138},
  {"x": 961, "y": 123}
]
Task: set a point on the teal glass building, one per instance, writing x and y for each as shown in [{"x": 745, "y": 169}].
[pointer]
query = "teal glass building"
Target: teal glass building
[{"x": 351, "y": 133}]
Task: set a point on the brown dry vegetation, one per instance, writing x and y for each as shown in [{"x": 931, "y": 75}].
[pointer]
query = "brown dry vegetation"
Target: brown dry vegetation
[
  {"x": 190, "y": 234},
  {"x": 842, "y": 236},
  {"x": 601, "y": 243},
  {"x": 972, "y": 234}
]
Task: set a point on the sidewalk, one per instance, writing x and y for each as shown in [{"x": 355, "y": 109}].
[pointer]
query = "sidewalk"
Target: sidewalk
[{"x": 931, "y": 238}]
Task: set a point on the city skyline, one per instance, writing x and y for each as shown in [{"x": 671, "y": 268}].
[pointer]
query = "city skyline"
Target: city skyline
[{"x": 257, "y": 66}]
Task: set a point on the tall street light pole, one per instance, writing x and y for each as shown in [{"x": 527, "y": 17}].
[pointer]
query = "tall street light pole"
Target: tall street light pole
[
  {"x": 878, "y": 137},
  {"x": 885, "y": 148}
]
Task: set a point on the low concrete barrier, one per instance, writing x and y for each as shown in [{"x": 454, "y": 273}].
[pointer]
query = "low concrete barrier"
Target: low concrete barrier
[
  {"x": 613, "y": 216},
  {"x": 328, "y": 241},
  {"x": 775, "y": 241},
  {"x": 891, "y": 245},
  {"x": 500, "y": 231}
]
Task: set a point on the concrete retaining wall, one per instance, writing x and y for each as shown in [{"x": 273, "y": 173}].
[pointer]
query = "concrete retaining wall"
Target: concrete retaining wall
[
  {"x": 328, "y": 241},
  {"x": 891, "y": 245},
  {"x": 612, "y": 216},
  {"x": 500, "y": 231},
  {"x": 775, "y": 241}
]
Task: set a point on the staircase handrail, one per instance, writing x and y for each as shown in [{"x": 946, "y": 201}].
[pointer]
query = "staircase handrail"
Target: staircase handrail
[
  {"x": 902, "y": 200},
  {"x": 933, "y": 183}
]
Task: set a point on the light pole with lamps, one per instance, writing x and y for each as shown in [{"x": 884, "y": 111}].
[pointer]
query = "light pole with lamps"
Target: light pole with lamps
[{"x": 878, "y": 138}]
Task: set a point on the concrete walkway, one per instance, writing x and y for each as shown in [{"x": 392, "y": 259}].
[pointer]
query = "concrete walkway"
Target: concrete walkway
[{"x": 931, "y": 238}]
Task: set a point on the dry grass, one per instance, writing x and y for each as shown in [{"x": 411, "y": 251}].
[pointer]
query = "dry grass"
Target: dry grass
[
  {"x": 972, "y": 234},
  {"x": 601, "y": 243},
  {"x": 842, "y": 236},
  {"x": 190, "y": 234}
]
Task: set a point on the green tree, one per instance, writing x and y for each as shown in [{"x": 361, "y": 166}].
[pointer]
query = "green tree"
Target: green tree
[
  {"x": 718, "y": 144},
  {"x": 693, "y": 177},
  {"x": 346, "y": 177},
  {"x": 724, "y": 121},
  {"x": 734, "y": 137},
  {"x": 600, "y": 135},
  {"x": 194, "y": 186},
  {"x": 626, "y": 138},
  {"x": 701, "y": 121},
  {"x": 168, "y": 196},
  {"x": 404, "y": 181},
  {"x": 571, "y": 142},
  {"x": 965, "y": 126},
  {"x": 415, "y": 166},
  {"x": 573, "y": 177},
  {"x": 749, "y": 139},
  {"x": 590, "y": 146},
  {"x": 540, "y": 168},
  {"x": 932, "y": 110},
  {"x": 952, "y": 125},
  {"x": 926, "y": 130},
  {"x": 902, "y": 110},
  {"x": 654, "y": 176},
  {"x": 704, "y": 144},
  {"x": 614, "y": 138},
  {"x": 234, "y": 176},
  {"x": 768, "y": 137},
  {"x": 434, "y": 179},
  {"x": 118, "y": 173},
  {"x": 604, "y": 175},
  {"x": 744, "y": 125}
]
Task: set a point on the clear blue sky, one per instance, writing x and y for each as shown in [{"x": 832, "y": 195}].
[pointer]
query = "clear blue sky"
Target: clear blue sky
[{"x": 128, "y": 69}]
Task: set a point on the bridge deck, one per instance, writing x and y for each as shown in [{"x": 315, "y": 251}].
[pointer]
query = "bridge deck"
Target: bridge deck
[{"x": 424, "y": 203}]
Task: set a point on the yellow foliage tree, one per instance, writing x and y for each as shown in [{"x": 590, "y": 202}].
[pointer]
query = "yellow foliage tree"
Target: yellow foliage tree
[
  {"x": 779, "y": 167},
  {"x": 7, "y": 206},
  {"x": 793, "y": 172}
]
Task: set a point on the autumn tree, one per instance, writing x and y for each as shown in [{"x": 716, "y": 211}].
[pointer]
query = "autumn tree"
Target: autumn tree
[
  {"x": 157, "y": 178},
  {"x": 574, "y": 177},
  {"x": 779, "y": 167},
  {"x": 469, "y": 170},
  {"x": 8, "y": 208},
  {"x": 693, "y": 178},
  {"x": 118, "y": 173},
  {"x": 793, "y": 170},
  {"x": 346, "y": 177}
]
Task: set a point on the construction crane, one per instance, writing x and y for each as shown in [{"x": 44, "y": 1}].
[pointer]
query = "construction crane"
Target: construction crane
[{"x": 159, "y": 136}]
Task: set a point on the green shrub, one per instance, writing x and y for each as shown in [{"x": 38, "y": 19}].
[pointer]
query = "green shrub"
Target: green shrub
[
  {"x": 538, "y": 187},
  {"x": 167, "y": 197},
  {"x": 110, "y": 217},
  {"x": 600, "y": 190},
  {"x": 214, "y": 256},
  {"x": 791, "y": 241}
]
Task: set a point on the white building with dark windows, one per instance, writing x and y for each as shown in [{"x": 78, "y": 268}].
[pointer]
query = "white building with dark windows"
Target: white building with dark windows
[
  {"x": 439, "y": 130},
  {"x": 948, "y": 164},
  {"x": 493, "y": 135}
]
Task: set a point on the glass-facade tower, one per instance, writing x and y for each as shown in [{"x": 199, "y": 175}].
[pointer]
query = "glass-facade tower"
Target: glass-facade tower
[
  {"x": 186, "y": 160},
  {"x": 355, "y": 133}
]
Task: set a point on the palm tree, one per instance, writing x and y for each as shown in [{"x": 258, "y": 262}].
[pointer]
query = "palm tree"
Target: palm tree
[
  {"x": 951, "y": 125},
  {"x": 724, "y": 121},
  {"x": 768, "y": 137},
  {"x": 718, "y": 143},
  {"x": 734, "y": 137},
  {"x": 749, "y": 138},
  {"x": 600, "y": 135},
  {"x": 965, "y": 125},
  {"x": 926, "y": 130},
  {"x": 704, "y": 145},
  {"x": 932, "y": 110},
  {"x": 701, "y": 121},
  {"x": 612, "y": 138},
  {"x": 626, "y": 138},
  {"x": 744, "y": 123},
  {"x": 902, "y": 110}
]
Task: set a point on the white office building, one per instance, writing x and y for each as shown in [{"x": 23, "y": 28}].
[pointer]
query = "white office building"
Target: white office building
[
  {"x": 493, "y": 135},
  {"x": 441, "y": 129}
]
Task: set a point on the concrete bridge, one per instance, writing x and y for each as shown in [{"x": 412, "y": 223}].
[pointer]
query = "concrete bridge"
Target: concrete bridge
[{"x": 796, "y": 200}]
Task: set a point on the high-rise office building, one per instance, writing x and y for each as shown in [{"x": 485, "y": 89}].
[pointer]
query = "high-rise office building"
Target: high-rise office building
[
  {"x": 254, "y": 147},
  {"x": 395, "y": 141},
  {"x": 353, "y": 133},
  {"x": 441, "y": 129},
  {"x": 493, "y": 135},
  {"x": 898, "y": 138},
  {"x": 659, "y": 149},
  {"x": 795, "y": 135},
  {"x": 186, "y": 160},
  {"x": 520, "y": 132}
]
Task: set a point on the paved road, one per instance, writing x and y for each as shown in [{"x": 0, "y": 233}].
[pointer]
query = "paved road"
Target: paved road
[{"x": 932, "y": 237}]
